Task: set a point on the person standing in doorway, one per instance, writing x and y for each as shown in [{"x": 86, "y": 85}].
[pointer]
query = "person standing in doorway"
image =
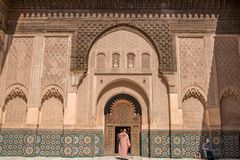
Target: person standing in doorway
[{"x": 124, "y": 144}]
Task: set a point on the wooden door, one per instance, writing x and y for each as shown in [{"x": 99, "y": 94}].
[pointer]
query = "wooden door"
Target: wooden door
[{"x": 122, "y": 113}]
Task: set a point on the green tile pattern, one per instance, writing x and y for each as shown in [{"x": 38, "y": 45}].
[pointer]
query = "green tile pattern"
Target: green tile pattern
[
  {"x": 159, "y": 144},
  {"x": 90, "y": 143},
  {"x": 231, "y": 144}
]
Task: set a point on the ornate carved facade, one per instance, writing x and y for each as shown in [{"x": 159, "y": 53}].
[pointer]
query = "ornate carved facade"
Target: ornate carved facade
[{"x": 74, "y": 73}]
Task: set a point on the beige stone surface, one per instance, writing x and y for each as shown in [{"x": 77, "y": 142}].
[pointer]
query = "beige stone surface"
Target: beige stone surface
[
  {"x": 32, "y": 117},
  {"x": 176, "y": 112},
  {"x": 214, "y": 116},
  {"x": 70, "y": 111},
  {"x": 200, "y": 94}
]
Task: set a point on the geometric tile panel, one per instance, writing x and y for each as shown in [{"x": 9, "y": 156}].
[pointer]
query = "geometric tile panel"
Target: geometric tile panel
[
  {"x": 145, "y": 143},
  {"x": 176, "y": 145},
  {"x": 30, "y": 141},
  {"x": 89, "y": 143},
  {"x": 216, "y": 139},
  {"x": 98, "y": 150},
  {"x": 11, "y": 142},
  {"x": 51, "y": 143},
  {"x": 192, "y": 143},
  {"x": 231, "y": 144},
  {"x": 159, "y": 144}
]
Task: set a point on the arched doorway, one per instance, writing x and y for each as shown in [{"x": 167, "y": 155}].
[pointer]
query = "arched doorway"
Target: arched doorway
[{"x": 122, "y": 111}]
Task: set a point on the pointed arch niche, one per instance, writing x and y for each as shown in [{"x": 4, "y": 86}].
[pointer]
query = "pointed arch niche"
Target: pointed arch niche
[
  {"x": 15, "y": 108},
  {"x": 230, "y": 110},
  {"x": 51, "y": 110},
  {"x": 193, "y": 109}
]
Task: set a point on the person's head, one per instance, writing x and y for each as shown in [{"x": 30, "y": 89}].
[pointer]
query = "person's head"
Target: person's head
[
  {"x": 207, "y": 140},
  {"x": 124, "y": 130}
]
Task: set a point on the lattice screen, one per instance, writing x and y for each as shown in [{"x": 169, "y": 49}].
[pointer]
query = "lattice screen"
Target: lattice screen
[
  {"x": 55, "y": 62},
  {"x": 145, "y": 60},
  {"x": 20, "y": 61}
]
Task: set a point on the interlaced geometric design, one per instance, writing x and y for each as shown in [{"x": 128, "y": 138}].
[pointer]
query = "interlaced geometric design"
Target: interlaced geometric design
[
  {"x": 160, "y": 34},
  {"x": 192, "y": 62},
  {"x": 232, "y": 93},
  {"x": 53, "y": 92},
  {"x": 17, "y": 92},
  {"x": 20, "y": 61},
  {"x": 195, "y": 94},
  {"x": 55, "y": 61},
  {"x": 89, "y": 31},
  {"x": 227, "y": 61},
  {"x": 145, "y": 60}
]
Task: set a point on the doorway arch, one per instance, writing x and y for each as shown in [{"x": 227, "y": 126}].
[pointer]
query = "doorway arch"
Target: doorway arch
[{"x": 122, "y": 111}]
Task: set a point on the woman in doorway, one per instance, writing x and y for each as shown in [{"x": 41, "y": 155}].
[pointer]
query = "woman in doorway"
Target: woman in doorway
[{"x": 124, "y": 144}]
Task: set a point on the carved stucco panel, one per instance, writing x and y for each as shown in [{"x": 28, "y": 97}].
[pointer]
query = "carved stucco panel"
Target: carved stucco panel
[
  {"x": 19, "y": 61},
  {"x": 192, "y": 62},
  {"x": 55, "y": 61},
  {"x": 89, "y": 32},
  {"x": 228, "y": 62}
]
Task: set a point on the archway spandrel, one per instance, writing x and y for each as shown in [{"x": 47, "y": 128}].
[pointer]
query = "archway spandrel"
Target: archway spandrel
[{"x": 158, "y": 34}]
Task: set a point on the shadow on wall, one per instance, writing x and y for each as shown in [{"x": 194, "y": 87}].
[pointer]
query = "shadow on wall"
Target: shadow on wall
[
  {"x": 220, "y": 118},
  {"x": 223, "y": 100}
]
